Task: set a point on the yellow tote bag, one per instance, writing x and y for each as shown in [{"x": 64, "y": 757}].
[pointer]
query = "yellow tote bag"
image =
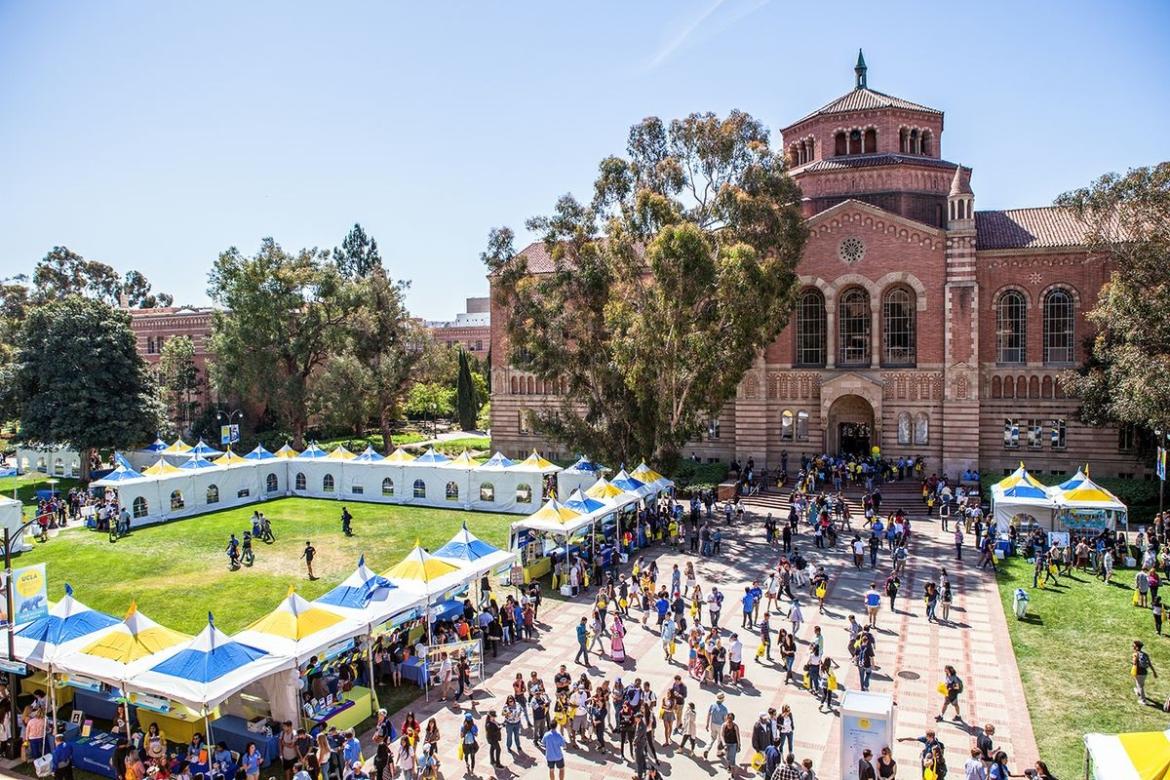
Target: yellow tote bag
[
  {"x": 832, "y": 681},
  {"x": 942, "y": 688},
  {"x": 757, "y": 761}
]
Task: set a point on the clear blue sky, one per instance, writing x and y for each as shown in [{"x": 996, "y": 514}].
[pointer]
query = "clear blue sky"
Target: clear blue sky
[{"x": 155, "y": 135}]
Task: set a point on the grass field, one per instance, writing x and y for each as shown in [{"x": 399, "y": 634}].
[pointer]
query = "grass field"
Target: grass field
[
  {"x": 1073, "y": 652},
  {"x": 178, "y": 571},
  {"x": 25, "y": 486}
]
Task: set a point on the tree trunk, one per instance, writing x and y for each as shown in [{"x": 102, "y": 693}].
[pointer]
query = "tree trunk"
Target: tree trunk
[
  {"x": 298, "y": 430},
  {"x": 83, "y": 471},
  {"x": 384, "y": 424}
]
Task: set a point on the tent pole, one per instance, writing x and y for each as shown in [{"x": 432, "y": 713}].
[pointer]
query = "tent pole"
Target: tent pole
[
  {"x": 129, "y": 731},
  {"x": 370, "y": 662}
]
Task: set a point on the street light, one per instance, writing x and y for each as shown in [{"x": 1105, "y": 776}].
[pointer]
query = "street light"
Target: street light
[
  {"x": 1158, "y": 446},
  {"x": 220, "y": 416},
  {"x": 10, "y": 607}
]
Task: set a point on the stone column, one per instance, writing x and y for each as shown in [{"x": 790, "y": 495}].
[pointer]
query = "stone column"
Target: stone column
[
  {"x": 875, "y": 333},
  {"x": 830, "y": 334}
]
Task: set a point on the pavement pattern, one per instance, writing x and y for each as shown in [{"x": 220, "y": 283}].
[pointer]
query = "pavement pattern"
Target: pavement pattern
[{"x": 911, "y": 654}]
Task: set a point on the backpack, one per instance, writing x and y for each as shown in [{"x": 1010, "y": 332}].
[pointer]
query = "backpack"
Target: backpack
[
  {"x": 1143, "y": 662},
  {"x": 958, "y": 685}
]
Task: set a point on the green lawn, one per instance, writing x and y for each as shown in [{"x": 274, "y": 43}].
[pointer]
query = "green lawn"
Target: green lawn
[
  {"x": 178, "y": 571},
  {"x": 1073, "y": 651},
  {"x": 25, "y": 487}
]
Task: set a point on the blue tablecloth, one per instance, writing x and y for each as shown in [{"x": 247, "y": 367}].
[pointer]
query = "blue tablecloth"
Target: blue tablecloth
[
  {"x": 232, "y": 730},
  {"x": 197, "y": 768},
  {"x": 446, "y": 610},
  {"x": 412, "y": 669},
  {"x": 102, "y": 705},
  {"x": 91, "y": 756},
  {"x": 1005, "y": 546}
]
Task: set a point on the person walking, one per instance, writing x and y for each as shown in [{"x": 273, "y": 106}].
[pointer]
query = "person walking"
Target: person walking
[
  {"x": 716, "y": 715},
  {"x": 492, "y": 731},
  {"x": 582, "y": 641},
  {"x": 730, "y": 737},
  {"x": 873, "y": 601},
  {"x": 958, "y": 541},
  {"x": 554, "y": 752},
  {"x": 951, "y": 687},
  {"x": 308, "y": 554},
  {"x": 893, "y": 584}
]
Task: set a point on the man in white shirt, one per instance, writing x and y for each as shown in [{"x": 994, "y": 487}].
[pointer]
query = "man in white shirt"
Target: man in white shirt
[
  {"x": 974, "y": 769},
  {"x": 445, "y": 671},
  {"x": 735, "y": 658}
]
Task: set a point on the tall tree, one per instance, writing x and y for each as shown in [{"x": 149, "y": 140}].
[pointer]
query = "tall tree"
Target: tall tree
[
  {"x": 466, "y": 400},
  {"x": 666, "y": 286},
  {"x": 63, "y": 272},
  {"x": 358, "y": 254},
  {"x": 79, "y": 380},
  {"x": 136, "y": 288},
  {"x": 1127, "y": 376},
  {"x": 281, "y": 318},
  {"x": 179, "y": 380}
]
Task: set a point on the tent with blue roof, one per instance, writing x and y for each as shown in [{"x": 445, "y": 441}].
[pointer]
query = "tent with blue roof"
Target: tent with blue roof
[
  {"x": 67, "y": 626},
  {"x": 205, "y": 450},
  {"x": 208, "y": 670},
  {"x": 580, "y": 475},
  {"x": 1020, "y": 498},
  {"x": 369, "y": 596},
  {"x": 259, "y": 454},
  {"x": 121, "y": 473},
  {"x": 369, "y": 455},
  {"x": 469, "y": 551},
  {"x": 158, "y": 445},
  {"x": 313, "y": 452},
  {"x": 1083, "y": 505},
  {"x": 630, "y": 484},
  {"x": 197, "y": 462},
  {"x": 584, "y": 504}
]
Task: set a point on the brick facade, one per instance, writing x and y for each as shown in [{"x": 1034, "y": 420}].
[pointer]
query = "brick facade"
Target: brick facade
[
  {"x": 909, "y": 279},
  {"x": 154, "y": 327}
]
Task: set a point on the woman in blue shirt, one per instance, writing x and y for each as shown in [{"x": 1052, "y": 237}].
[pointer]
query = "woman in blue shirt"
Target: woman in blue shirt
[{"x": 251, "y": 762}]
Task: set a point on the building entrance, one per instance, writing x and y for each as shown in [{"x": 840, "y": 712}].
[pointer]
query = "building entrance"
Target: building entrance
[{"x": 853, "y": 438}]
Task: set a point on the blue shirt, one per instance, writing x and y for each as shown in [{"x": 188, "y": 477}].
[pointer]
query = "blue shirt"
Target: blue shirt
[
  {"x": 581, "y": 632},
  {"x": 352, "y": 751},
  {"x": 749, "y": 601},
  {"x": 62, "y": 755},
  {"x": 251, "y": 763},
  {"x": 554, "y": 745}
]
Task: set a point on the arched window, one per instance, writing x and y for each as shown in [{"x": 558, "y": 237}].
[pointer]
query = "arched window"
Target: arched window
[
  {"x": 1058, "y": 327},
  {"x": 139, "y": 507},
  {"x": 927, "y": 138},
  {"x": 531, "y": 385},
  {"x": 1034, "y": 387},
  {"x": 853, "y": 328},
  {"x": 1021, "y": 387},
  {"x": 327, "y": 483},
  {"x": 840, "y": 144},
  {"x": 300, "y": 481},
  {"x": 177, "y": 500},
  {"x": 904, "y": 432},
  {"x": 59, "y": 467},
  {"x": 802, "y": 426},
  {"x": 1046, "y": 387},
  {"x": 904, "y": 140},
  {"x": 420, "y": 489},
  {"x": 1011, "y": 328},
  {"x": 487, "y": 492},
  {"x": 387, "y": 487},
  {"x": 1009, "y": 387},
  {"x": 213, "y": 494},
  {"x": 914, "y": 142},
  {"x": 523, "y": 493},
  {"x": 898, "y": 331},
  {"x": 513, "y": 382},
  {"x": 787, "y": 425},
  {"x": 452, "y": 491},
  {"x": 921, "y": 428},
  {"x": 996, "y": 387},
  {"x": 810, "y": 328},
  {"x": 870, "y": 141},
  {"x": 271, "y": 484}
]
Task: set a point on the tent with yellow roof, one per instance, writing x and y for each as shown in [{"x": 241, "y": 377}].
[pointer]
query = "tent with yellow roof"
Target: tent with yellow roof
[
  {"x": 399, "y": 456},
  {"x": 178, "y": 447},
  {"x": 116, "y": 654},
  {"x": 535, "y": 462},
  {"x": 286, "y": 452},
  {"x": 424, "y": 574},
  {"x": 161, "y": 467},
  {"x": 230, "y": 458},
  {"x": 1139, "y": 755},
  {"x": 651, "y": 477},
  {"x": 299, "y": 629},
  {"x": 557, "y": 519},
  {"x": 340, "y": 453},
  {"x": 1084, "y": 505}
]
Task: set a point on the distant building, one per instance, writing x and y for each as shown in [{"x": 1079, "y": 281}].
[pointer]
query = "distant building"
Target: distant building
[
  {"x": 471, "y": 329},
  {"x": 154, "y": 327}
]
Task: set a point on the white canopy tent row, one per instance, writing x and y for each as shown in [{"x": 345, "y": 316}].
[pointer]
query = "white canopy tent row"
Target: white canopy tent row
[
  {"x": 56, "y": 461},
  {"x": 138, "y": 656},
  {"x": 165, "y": 491}
]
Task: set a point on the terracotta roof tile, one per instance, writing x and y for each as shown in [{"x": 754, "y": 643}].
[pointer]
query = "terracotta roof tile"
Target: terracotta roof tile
[
  {"x": 864, "y": 98},
  {"x": 1035, "y": 228},
  {"x": 870, "y": 160}
]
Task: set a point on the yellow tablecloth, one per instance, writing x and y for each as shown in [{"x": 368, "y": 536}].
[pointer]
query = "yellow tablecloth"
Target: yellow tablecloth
[
  {"x": 350, "y": 717},
  {"x": 39, "y": 681},
  {"x": 178, "y": 725},
  {"x": 537, "y": 569}
]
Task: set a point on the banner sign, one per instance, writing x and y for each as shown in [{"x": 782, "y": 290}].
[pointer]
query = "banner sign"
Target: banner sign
[
  {"x": 1160, "y": 465},
  {"x": 30, "y": 595},
  {"x": 229, "y": 434}
]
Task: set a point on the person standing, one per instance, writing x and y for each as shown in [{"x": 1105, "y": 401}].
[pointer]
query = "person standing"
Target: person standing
[
  {"x": 62, "y": 759},
  {"x": 308, "y": 554},
  {"x": 1141, "y": 666},
  {"x": 729, "y": 735},
  {"x": 873, "y": 601},
  {"x": 865, "y": 768},
  {"x": 893, "y": 583},
  {"x": 554, "y": 751},
  {"x": 958, "y": 541}
]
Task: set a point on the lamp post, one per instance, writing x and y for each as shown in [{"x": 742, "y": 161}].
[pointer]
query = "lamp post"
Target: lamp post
[
  {"x": 434, "y": 419},
  {"x": 10, "y": 607},
  {"x": 220, "y": 416}
]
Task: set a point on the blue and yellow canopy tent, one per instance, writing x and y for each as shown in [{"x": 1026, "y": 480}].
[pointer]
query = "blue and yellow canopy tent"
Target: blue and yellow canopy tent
[
  {"x": 1139, "y": 755},
  {"x": 1021, "y": 498}
]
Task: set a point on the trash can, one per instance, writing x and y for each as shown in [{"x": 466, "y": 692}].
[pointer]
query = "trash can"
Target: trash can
[{"x": 1020, "y": 603}]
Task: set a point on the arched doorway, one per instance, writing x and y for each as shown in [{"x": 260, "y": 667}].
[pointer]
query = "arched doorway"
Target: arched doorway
[{"x": 850, "y": 429}]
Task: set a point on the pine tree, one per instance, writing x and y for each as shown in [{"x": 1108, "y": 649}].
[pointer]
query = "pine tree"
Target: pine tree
[{"x": 466, "y": 403}]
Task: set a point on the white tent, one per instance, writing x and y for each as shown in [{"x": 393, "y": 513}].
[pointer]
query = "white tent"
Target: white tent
[
  {"x": 472, "y": 553},
  {"x": 1133, "y": 756},
  {"x": 11, "y": 518},
  {"x": 118, "y": 653},
  {"x": 579, "y": 476},
  {"x": 1019, "y": 496},
  {"x": 57, "y": 461},
  {"x": 300, "y": 630},
  {"x": 369, "y": 597},
  {"x": 207, "y": 670}
]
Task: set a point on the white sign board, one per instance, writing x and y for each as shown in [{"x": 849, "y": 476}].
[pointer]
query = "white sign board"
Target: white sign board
[{"x": 867, "y": 721}]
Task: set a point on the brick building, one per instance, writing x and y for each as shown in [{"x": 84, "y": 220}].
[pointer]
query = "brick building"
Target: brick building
[
  {"x": 471, "y": 329},
  {"x": 921, "y": 325},
  {"x": 154, "y": 327}
]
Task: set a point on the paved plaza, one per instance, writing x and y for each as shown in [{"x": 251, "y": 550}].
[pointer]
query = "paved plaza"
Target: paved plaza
[{"x": 911, "y": 654}]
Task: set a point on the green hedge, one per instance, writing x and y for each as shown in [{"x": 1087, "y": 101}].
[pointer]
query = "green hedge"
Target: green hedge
[{"x": 690, "y": 477}]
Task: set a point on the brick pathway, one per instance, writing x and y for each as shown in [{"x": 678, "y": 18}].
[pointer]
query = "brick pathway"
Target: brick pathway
[{"x": 977, "y": 645}]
